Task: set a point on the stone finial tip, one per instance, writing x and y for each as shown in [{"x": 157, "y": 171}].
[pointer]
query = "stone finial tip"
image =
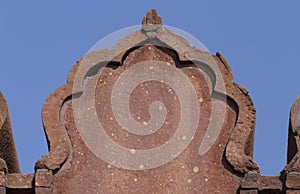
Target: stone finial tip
[{"x": 152, "y": 18}]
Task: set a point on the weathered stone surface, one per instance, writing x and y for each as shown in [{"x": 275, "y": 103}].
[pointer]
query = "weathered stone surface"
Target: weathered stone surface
[
  {"x": 249, "y": 192},
  {"x": 293, "y": 180},
  {"x": 19, "y": 181},
  {"x": 151, "y": 115},
  {"x": 43, "y": 179},
  {"x": 8, "y": 156},
  {"x": 293, "y": 159},
  {"x": 189, "y": 172},
  {"x": 261, "y": 183},
  {"x": 293, "y": 192},
  {"x": 152, "y": 18},
  {"x": 2, "y": 179},
  {"x": 58, "y": 146},
  {"x": 2, "y": 183},
  {"x": 186, "y": 173}
]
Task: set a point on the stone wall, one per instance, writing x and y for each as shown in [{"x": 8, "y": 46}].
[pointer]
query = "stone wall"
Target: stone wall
[{"x": 151, "y": 115}]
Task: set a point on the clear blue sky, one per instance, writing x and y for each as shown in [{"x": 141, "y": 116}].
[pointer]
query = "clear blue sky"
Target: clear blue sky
[{"x": 41, "y": 40}]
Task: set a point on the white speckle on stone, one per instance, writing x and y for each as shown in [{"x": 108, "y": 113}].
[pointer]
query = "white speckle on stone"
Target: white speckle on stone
[
  {"x": 168, "y": 63},
  {"x": 206, "y": 179},
  {"x": 138, "y": 118},
  {"x": 189, "y": 181},
  {"x": 132, "y": 151},
  {"x": 112, "y": 134},
  {"x": 160, "y": 108},
  {"x": 200, "y": 100},
  {"x": 110, "y": 73},
  {"x": 193, "y": 77},
  {"x": 145, "y": 123},
  {"x": 111, "y": 118},
  {"x": 220, "y": 145},
  {"x": 151, "y": 67},
  {"x": 146, "y": 91},
  {"x": 183, "y": 137},
  {"x": 135, "y": 179},
  {"x": 162, "y": 81},
  {"x": 196, "y": 169},
  {"x": 141, "y": 166}
]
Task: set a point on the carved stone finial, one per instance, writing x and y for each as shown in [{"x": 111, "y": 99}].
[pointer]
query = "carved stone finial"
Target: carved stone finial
[{"x": 152, "y": 18}]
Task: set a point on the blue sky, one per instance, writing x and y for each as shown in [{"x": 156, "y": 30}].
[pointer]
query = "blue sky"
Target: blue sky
[{"x": 40, "y": 42}]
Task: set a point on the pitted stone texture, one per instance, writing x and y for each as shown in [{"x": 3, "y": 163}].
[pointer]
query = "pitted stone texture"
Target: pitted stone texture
[
  {"x": 217, "y": 167},
  {"x": 19, "y": 181},
  {"x": 293, "y": 180},
  {"x": 152, "y": 18},
  {"x": 43, "y": 179},
  {"x": 249, "y": 192},
  {"x": 293, "y": 192},
  {"x": 188, "y": 173},
  {"x": 293, "y": 155},
  {"x": 8, "y": 155},
  {"x": 222, "y": 165},
  {"x": 254, "y": 181}
]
